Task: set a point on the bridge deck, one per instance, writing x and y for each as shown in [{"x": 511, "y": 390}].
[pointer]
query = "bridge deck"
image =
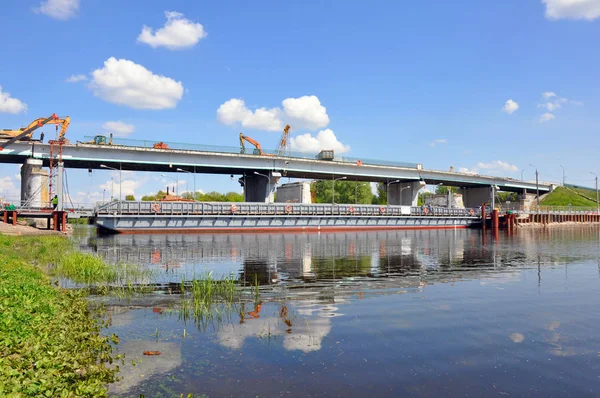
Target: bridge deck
[{"x": 195, "y": 161}]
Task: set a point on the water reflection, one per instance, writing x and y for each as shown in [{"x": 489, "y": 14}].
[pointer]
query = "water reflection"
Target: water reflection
[
  {"x": 399, "y": 313},
  {"x": 417, "y": 256}
]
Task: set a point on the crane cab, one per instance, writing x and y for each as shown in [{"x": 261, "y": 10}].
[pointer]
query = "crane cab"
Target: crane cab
[{"x": 100, "y": 140}]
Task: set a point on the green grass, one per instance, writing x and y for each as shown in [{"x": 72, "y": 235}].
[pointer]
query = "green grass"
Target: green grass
[
  {"x": 209, "y": 299},
  {"x": 56, "y": 255},
  {"x": 565, "y": 197},
  {"x": 50, "y": 341}
]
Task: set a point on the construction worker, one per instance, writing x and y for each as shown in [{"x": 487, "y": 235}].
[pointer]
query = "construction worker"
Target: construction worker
[{"x": 55, "y": 201}]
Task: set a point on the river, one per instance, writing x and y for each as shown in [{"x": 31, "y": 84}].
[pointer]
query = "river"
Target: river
[{"x": 394, "y": 313}]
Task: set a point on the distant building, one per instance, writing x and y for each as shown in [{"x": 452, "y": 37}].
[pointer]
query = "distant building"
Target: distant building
[
  {"x": 295, "y": 192},
  {"x": 456, "y": 201}
]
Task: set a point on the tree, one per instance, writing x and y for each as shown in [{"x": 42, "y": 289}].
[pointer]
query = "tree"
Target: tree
[
  {"x": 345, "y": 191},
  {"x": 151, "y": 198},
  {"x": 504, "y": 197},
  {"x": 129, "y": 197},
  {"x": 443, "y": 190},
  {"x": 213, "y": 196},
  {"x": 381, "y": 193},
  {"x": 422, "y": 197}
]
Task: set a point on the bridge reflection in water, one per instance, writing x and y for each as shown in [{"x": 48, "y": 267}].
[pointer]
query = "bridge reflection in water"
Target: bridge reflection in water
[
  {"x": 410, "y": 258},
  {"x": 338, "y": 299}
]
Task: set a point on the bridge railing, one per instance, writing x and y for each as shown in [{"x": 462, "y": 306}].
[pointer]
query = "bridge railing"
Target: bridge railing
[
  {"x": 236, "y": 150},
  {"x": 562, "y": 210},
  {"x": 279, "y": 209}
]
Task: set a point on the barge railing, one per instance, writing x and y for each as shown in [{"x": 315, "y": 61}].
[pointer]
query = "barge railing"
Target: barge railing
[{"x": 277, "y": 209}]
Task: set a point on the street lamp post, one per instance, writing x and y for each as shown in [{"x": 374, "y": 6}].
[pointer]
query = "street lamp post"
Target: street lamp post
[
  {"x": 333, "y": 188},
  {"x": 174, "y": 179},
  {"x": 103, "y": 193},
  {"x": 563, "y": 174},
  {"x": 268, "y": 177},
  {"x": 194, "y": 175},
  {"x": 597, "y": 203},
  {"x": 522, "y": 171},
  {"x": 387, "y": 190},
  {"x": 120, "y": 178},
  {"x": 537, "y": 185}
]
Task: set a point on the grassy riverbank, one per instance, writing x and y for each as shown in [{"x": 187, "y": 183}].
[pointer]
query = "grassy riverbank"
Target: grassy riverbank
[
  {"x": 50, "y": 342},
  {"x": 562, "y": 196}
]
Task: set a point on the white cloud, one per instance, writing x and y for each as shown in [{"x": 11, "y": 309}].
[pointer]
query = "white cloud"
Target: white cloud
[
  {"x": 554, "y": 102},
  {"x": 76, "y": 78},
  {"x": 325, "y": 139},
  {"x": 119, "y": 128},
  {"x": 235, "y": 111},
  {"x": 81, "y": 198},
  {"x": 546, "y": 117},
  {"x": 510, "y": 106},
  {"x": 128, "y": 187},
  {"x": 8, "y": 189},
  {"x": 178, "y": 33},
  {"x": 59, "y": 9},
  {"x": 124, "y": 82},
  {"x": 572, "y": 9},
  {"x": 11, "y": 105},
  {"x": 466, "y": 170},
  {"x": 303, "y": 112},
  {"x": 438, "y": 141},
  {"x": 550, "y": 106},
  {"x": 497, "y": 165}
]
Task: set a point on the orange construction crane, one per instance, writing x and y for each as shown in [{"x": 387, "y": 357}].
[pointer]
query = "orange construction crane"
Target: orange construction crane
[
  {"x": 257, "y": 151},
  {"x": 26, "y": 132},
  {"x": 282, "y": 148}
]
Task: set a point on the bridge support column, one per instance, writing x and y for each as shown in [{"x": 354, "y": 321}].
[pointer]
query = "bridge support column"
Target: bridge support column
[
  {"x": 474, "y": 197},
  {"x": 404, "y": 194},
  {"x": 34, "y": 184},
  {"x": 259, "y": 187}
]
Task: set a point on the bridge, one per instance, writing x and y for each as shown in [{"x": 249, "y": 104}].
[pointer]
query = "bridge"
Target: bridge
[{"x": 259, "y": 174}]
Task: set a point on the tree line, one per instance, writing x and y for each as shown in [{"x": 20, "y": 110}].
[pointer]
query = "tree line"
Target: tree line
[{"x": 343, "y": 192}]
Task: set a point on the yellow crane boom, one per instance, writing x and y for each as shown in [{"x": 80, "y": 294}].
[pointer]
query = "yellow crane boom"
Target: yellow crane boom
[
  {"x": 25, "y": 133},
  {"x": 283, "y": 148}
]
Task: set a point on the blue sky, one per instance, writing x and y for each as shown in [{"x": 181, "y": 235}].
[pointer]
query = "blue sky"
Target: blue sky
[{"x": 424, "y": 82}]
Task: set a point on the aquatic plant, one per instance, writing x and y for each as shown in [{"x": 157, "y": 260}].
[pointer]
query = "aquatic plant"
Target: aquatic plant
[
  {"x": 50, "y": 340},
  {"x": 209, "y": 300}
]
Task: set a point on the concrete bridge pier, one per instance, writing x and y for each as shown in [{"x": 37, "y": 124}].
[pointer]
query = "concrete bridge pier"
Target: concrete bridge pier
[
  {"x": 404, "y": 194},
  {"x": 260, "y": 187},
  {"x": 34, "y": 184},
  {"x": 474, "y": 197}
]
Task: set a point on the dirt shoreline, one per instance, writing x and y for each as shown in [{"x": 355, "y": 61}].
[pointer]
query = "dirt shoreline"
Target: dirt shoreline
[{"x": 21, "y": 229}]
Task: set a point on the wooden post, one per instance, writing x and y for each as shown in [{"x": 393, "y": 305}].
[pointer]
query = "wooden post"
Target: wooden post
[
  {"x": 495, "y": 220},
  {"x": 483, "y": 216}
]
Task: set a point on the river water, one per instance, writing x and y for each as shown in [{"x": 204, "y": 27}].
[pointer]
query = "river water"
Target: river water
[{"x": 395, "y": 313}]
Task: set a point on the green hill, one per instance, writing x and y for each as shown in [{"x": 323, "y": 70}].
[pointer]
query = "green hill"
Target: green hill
[{"x": 562, "y": 196}]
